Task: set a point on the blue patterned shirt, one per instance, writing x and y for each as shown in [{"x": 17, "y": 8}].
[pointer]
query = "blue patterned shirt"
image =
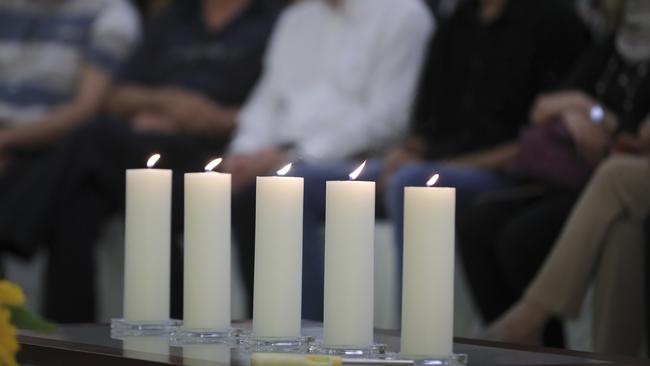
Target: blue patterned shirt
[{"x": 45, "y": 44}]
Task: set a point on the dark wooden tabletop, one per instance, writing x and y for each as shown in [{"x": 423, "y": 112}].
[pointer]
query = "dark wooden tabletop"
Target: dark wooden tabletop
[{"x": 92, "y": 345}]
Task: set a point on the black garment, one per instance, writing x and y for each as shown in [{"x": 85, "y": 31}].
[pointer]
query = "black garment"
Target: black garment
[
  {"x": 622, "y": 87},
  {"x": 178, "y": 50},
  {"x": 501, "y": 251},
  {"x": 480, "y": 79},
  {"x": 504, "y": 242},
  {"x": 60, "y": 198}
]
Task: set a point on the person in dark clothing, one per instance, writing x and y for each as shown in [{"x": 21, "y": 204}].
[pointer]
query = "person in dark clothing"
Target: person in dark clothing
[
  {"x": 178, "y": 96},
  {"x": 504, "y": 241},
  {"x": 486, "y": 65},
  {"x": 483, "y": 74}
]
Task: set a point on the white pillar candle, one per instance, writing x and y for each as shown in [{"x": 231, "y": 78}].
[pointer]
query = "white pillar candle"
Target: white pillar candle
[
  {"x": 147, "y": 245},
  {"x": 428, "y": 287},
  {"x": 206, "y": 296},
  {"x": 278, "y": 257},
  {"x": 349, "y": 264}
]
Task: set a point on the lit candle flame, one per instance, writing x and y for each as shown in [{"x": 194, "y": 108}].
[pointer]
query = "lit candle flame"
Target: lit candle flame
[
  {"x": 355, "y": 174},
  {"x": 285, "y": 170},
  {"x": 213, "y": 164},
  {"x": 153, "y": 160},
  {"x": 433, "y": 180}
]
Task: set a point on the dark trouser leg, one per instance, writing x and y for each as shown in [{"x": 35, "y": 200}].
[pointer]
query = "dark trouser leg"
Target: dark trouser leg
[
  {"x": 102, "y": 152},
  {"x": 37, "y": 206},
  {"x": 29, "y": 193},
  {"x": 524, "y": 243},
  {"x": 70, "y": 288},
  {"x": 478, "y": 230},
  {"x": 94, "y": 159},
  {"x": 243, "y": 222}
]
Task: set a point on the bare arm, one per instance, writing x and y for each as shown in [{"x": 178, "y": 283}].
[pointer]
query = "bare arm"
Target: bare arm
[
  {"x": 187, "y": 111},
  {"x": 552, "y": 105},
  {"x": 58, "y": 122},
  {"x": 555, "y": 105},
  {"x": 130, "y": 100}
]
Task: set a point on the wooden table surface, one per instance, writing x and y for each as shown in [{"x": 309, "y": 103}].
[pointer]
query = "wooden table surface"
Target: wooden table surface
[{"x": 91, "y": 344}]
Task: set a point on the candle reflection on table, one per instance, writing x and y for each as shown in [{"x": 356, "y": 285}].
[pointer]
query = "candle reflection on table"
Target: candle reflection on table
[
  {"x": 156, "y": 348},
  {"x": 196, "y": 354}
]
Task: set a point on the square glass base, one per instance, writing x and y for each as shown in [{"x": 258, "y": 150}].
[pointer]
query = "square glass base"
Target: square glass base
[
  {"x": 454, "y": 360},
  {"x": 276, "y": 344},
  {"x": 124, "y": 328},
  {"x": 372, "y": 351},
  {"x": 183, "y": 336}
]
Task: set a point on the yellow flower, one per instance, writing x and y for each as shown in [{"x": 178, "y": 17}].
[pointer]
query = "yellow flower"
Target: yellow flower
[
  {"x": 11, "y": 294},
  {"x": 8, "y": 344}
]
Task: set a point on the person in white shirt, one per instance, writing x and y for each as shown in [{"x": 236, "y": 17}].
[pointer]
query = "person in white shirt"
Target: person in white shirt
[{"x": 338, "y": 84}]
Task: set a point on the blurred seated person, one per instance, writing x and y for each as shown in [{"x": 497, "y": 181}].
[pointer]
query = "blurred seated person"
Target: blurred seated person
[
  {"x": 503, "y": 242},
  {"x": 484, "y": 70},
  {"x": 54, "y": 72},
  {"x": 602, "y": 242},
  {"x": 338, "y": 82},
  {"x": 57, "y": 63},
  {"x": 178, "y": 96}
]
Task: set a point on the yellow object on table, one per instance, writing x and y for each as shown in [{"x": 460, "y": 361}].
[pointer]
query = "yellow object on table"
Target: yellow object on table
[{"x": 286, "y": 359}]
